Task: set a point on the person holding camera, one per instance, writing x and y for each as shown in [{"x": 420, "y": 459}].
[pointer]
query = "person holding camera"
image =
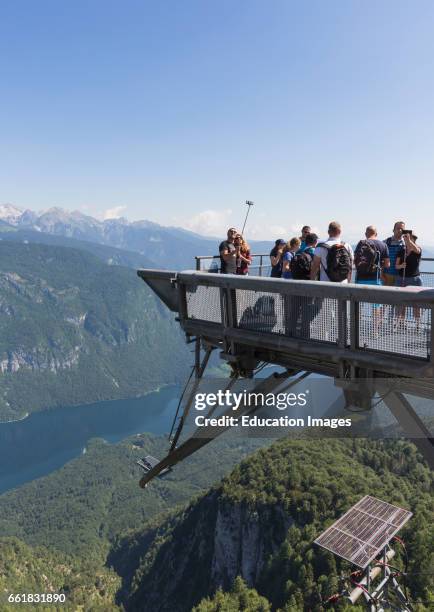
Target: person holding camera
[
  {"x": 407, "y": 264},
  {"x": 408, "y": 260}
]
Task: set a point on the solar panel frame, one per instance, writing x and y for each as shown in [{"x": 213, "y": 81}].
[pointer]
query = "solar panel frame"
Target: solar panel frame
[{"x": 364, "y": 530}]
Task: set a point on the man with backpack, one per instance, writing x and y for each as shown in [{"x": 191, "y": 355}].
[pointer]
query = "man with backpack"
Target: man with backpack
[
  {"x": 302, "y": 261},
  {"x": 333, "y": 259},
  {"x": 371, "y": 257},
  {"x": 300, "y": 310}
]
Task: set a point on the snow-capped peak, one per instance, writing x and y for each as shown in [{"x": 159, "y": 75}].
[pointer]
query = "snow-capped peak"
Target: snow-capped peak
[{"x": 10, "y": 214}]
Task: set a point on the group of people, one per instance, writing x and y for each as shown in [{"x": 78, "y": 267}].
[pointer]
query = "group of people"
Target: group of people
[{"x": 392, "y": 262}]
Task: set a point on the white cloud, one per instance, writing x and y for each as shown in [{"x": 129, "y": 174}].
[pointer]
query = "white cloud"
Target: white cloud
[
  {"x": 216, "y": 222},
  {"x": 208, "y": 222},
  {"x": 113, "y": 213}
]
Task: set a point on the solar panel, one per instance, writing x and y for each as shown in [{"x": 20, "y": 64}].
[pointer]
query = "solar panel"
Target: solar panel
[{"x": 362, "y": 532}]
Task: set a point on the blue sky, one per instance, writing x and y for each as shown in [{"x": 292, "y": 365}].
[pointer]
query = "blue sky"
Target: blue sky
[{"x": 177, "y": 112}]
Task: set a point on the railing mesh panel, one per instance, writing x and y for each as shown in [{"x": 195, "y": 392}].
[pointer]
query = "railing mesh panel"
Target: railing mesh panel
[
  {"x": 203, "y": 303},
  {"x": 260, "y": 266},
  {"x": 395, "y": 329},
  {"x": 292, "y": 316},
  {"x": 427, "y": 279}
]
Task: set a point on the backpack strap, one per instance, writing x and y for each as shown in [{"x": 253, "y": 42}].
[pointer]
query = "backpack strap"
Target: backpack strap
[{"x": 327, "y": 247}]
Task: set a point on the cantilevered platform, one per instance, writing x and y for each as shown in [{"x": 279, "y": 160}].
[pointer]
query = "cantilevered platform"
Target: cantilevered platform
[
  {"x": 326, "y": 327},
  {"x": 345, "y": 331}
]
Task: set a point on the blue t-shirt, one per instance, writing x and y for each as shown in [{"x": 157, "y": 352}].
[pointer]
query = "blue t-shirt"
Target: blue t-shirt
[
  {"x": 308, "y": 249},
  {"x": 395, "y": 247},
  {"x": 288, "y": 257}
]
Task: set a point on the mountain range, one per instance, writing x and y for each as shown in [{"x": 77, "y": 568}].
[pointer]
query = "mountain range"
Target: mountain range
[{"x": 163, "y": 247}]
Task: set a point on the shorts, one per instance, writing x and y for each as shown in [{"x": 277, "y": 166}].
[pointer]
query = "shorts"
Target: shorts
[
  {"x": 412, "y": 281},
  {"x": 374, "y": 281},
  {"x": 392, "y": 280}
]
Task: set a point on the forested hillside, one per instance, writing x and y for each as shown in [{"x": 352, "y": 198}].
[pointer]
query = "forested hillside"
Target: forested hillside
[
  {"x": 75, "y": 330},
  {"x": 27, "y": 570},
  {"x": 261, "y": 521},
  {"x": 82, "y": 508},
  {"x": 258, "y": 524}
]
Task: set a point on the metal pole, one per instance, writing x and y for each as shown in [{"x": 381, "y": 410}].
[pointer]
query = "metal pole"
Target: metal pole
[
  {"x": 249, "y": 204},
  {"x": 369, "y": 577},
  {"x": 413, "y": 426}
]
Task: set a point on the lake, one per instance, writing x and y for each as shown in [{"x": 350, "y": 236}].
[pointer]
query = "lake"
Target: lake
[{"x": 45, "y": 441}]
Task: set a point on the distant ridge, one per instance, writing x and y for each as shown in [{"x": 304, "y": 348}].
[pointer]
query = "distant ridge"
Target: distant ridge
[{"x": 167, "y": 247}]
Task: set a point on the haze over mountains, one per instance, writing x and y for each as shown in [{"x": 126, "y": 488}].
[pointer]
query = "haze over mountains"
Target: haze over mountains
[{"x": 163, "y": 247}]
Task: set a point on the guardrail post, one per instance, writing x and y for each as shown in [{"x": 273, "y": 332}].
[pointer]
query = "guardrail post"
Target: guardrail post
[
  {"x": 260, "y": 265},
  {"x": 342, "y": 323},
  {"x": 431, "y": 336},
  {"x": 354, "y": 325},
  {"x": 197, "y": 263},
  {"x": 182, "y": 301},
  {"x": 229, "y": 315}
]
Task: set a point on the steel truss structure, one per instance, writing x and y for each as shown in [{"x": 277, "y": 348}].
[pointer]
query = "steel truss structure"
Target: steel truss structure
[{"x": 359, "y": 335}]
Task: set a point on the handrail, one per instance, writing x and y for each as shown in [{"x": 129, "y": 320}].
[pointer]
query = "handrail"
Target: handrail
[
  {"x": 321, "y": 326},
  {"x": 343, "y": 291},
  {"x": 261, "y": 266},
  {"x": 199, "y": 257}
]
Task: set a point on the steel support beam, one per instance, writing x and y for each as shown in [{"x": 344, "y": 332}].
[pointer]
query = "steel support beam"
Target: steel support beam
[{"x": 414, "y": 428}]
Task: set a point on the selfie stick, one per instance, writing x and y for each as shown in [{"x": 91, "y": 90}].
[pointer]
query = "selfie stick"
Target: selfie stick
[
  {"x": 405, "y": 261},
  {"x": 249, "y": 204}
]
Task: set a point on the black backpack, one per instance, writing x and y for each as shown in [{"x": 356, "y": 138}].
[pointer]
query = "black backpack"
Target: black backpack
[
  {"x": 300, "y": 266},
  {"x": 366, "y": 257},
  {"x": 339, "y": 262}
]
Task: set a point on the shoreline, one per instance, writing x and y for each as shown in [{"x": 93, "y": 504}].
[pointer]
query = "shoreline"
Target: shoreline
[
  {"x": 72, "y": 406},
  {"x": 16, "y": 420}
]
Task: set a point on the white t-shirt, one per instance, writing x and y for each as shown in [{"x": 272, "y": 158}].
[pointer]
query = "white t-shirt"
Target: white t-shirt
[{"x": 322, "y": 252}]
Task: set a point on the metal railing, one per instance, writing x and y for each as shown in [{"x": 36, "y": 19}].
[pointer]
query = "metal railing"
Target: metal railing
[
  {"x": 261, "y": 266},
  {"x": 384, "y": 329}
]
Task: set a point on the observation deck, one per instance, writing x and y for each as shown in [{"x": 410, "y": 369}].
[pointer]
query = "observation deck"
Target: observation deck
[{"x": 365, "y": 337}]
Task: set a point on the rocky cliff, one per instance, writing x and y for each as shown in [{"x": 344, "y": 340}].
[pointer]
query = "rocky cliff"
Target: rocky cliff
[
  {"x": 260, "y": 524},
  {"x": 76, "y": 330}
]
